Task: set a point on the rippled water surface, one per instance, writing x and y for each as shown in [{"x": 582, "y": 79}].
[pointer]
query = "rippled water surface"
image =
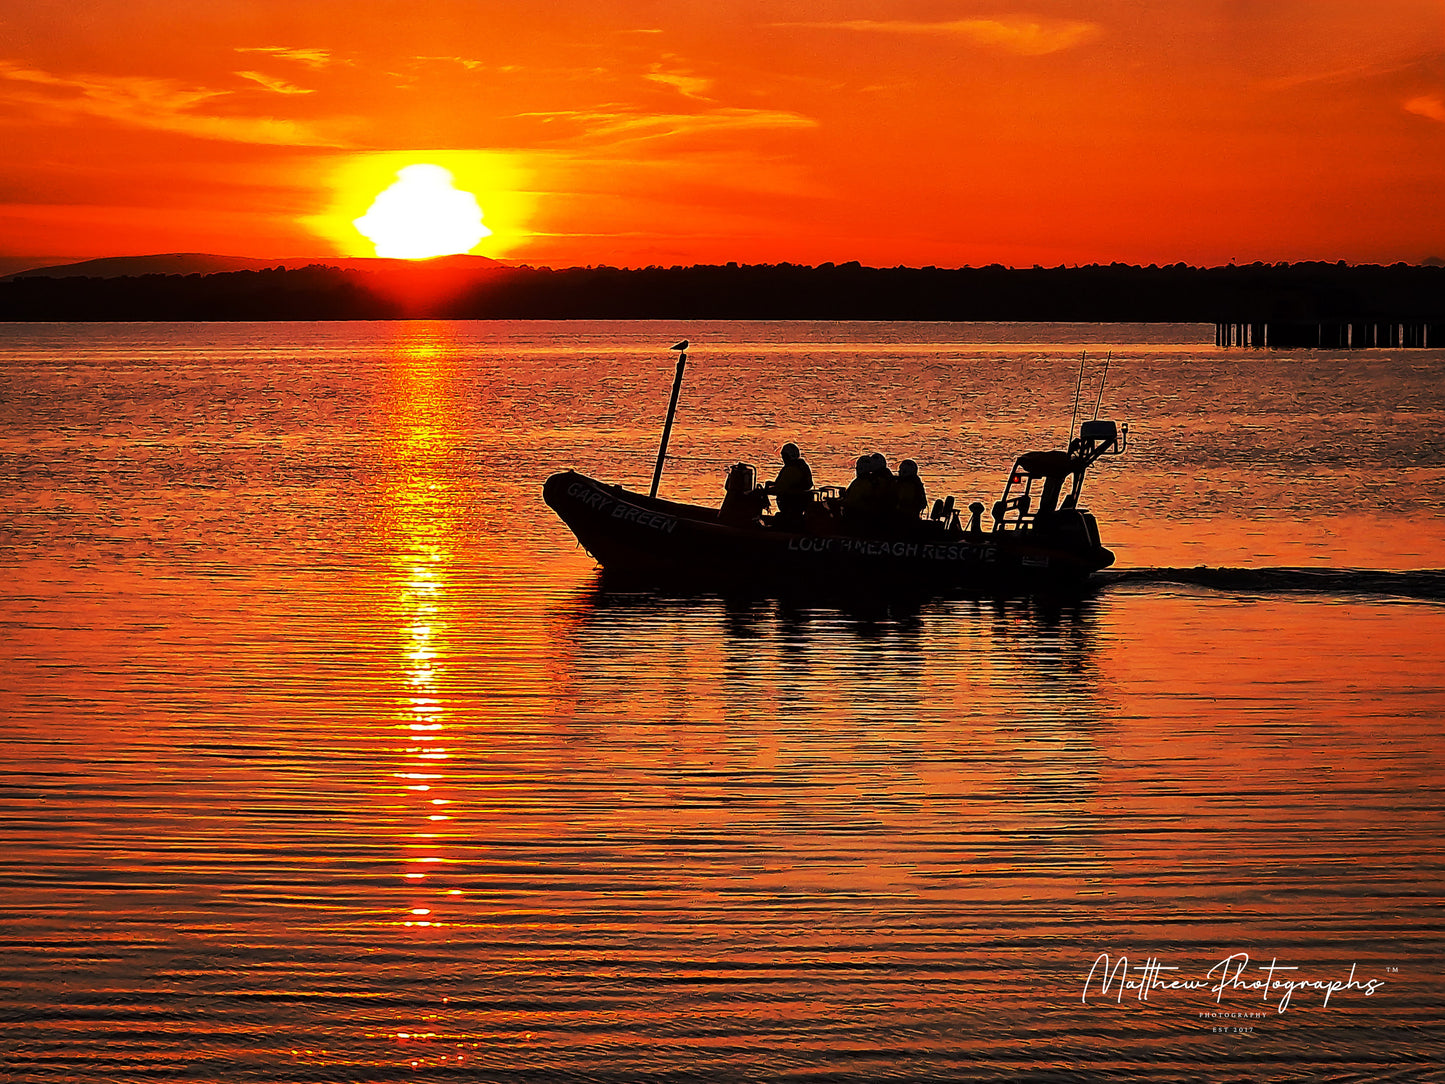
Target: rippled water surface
[{"x": 327, "y": 757}]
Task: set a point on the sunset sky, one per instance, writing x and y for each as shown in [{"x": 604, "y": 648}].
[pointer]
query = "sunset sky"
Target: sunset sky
[{"x": 948, "y": 132}]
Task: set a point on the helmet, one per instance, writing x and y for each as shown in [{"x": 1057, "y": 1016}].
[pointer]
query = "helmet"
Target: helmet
[
  {"x": 908, "y": 469},
  {"x": 790, "y": 451}
]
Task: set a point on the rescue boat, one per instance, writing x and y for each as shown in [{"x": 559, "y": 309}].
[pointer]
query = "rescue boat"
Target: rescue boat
[{"x": 1039, "y": 538}]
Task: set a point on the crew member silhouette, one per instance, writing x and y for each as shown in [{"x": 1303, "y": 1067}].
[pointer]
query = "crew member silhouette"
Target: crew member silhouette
[
  {"x": 868, "y": 502},
  {"x": 911, "y": 496},
  {"x": 793, "y": 486},
  {"x": 857, "y": 498},
  {"x": 885, "y": 487}
]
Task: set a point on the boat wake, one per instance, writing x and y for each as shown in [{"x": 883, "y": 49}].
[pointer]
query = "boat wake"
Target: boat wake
[{"x": 1420, "y": 583}]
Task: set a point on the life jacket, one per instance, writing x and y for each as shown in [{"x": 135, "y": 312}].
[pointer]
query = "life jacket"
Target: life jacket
[
  {"x": 912, "y": 497},
  {"x": 794, "y": 479},
  {"x": 858, "y": 497}
]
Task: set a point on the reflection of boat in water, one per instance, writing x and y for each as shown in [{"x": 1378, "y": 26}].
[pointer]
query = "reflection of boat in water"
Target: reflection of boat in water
[
  {"x": 1040, "y": 538},
  {"x": 760, "y": 657}
]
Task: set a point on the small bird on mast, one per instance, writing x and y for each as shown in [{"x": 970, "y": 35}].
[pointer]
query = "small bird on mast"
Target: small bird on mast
[{"x": 681, "y": 346}]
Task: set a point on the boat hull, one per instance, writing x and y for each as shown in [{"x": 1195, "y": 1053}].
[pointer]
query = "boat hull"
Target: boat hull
[{"x": 648, "y": 541}]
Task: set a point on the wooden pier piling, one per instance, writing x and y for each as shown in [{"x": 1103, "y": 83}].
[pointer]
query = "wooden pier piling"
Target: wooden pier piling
[{"x": 1371, "y": 334}]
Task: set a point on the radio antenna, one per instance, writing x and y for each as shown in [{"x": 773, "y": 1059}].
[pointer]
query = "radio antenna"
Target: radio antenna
[
  {"x": 1104, "y": 379},
  {"x": 1078, "y": 387}
]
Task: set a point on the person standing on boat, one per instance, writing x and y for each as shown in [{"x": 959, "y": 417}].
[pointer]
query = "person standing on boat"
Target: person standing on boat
[
  {"x": 793, "y": 485},
  {"x": 912, "y": 497}
]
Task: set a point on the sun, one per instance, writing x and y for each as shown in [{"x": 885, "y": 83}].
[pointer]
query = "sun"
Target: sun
[
  {"x": 423, "y": 214},
  {"x": 355, "y": 218}
]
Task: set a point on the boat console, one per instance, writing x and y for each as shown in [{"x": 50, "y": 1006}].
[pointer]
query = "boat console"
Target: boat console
[{"x": 1031, "y": 497}]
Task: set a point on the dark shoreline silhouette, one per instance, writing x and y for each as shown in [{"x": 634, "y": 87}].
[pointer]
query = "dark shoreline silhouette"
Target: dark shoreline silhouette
[{"x": 1298, "y": 294}]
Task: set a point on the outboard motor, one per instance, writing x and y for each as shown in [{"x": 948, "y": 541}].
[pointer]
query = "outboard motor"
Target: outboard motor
[
  {"x": 743, "y": 502},
  {"x": 742, "y": 478}
]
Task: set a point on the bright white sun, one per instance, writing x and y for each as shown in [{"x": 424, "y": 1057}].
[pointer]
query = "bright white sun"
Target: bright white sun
[{"x": 421, "y": 215}]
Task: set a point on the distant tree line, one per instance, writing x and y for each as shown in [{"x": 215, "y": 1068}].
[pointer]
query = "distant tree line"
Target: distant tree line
[{"x": 1114, "y": 292}]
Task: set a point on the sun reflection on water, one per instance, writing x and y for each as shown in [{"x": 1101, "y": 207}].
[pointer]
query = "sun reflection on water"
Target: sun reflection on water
[
  {"x": 423, "y": 725},
  {"x": 421, "y": 523}
]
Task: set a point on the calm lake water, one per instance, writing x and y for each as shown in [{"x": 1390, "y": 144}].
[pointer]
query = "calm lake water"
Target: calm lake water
[{"x": 327, "y": 759}]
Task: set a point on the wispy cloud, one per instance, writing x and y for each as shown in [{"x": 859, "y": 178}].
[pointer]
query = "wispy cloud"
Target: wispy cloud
[
  {"x": 156, "y": 104},
  {"x": 686, "y": 83},
  {"x": 1345, "y": 75},
  {"x": 634, "y": 126},
  {"x": 315, "y": 59},
  {"x": 1020, "y": 35},
  {"x": 279, "y": 86},
  {"x": 465, "y": 62},
  {"x": 96, "y": 92},
  {"x": 1430, "y": 106}
]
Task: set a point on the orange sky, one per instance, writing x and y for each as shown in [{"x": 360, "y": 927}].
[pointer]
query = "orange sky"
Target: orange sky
[{"x": 630, "y": 133}]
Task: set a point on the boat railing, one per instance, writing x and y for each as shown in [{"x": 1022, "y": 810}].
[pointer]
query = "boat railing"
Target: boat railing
[
  {"x": 1012, "y": 513},
  {"x": 830, "y": 497}
]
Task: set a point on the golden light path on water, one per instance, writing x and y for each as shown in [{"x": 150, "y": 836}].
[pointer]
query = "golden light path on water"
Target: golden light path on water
[
  {"x": 421, "y": 519},
  {"x": 422, "y": 511}
]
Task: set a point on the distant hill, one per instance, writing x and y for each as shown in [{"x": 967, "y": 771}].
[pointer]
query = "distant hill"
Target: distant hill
[{"x": 201, "y": 263}]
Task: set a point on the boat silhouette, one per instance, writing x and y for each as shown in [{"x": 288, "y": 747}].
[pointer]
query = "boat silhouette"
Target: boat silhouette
[{"x": 1040, "y": 538}]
